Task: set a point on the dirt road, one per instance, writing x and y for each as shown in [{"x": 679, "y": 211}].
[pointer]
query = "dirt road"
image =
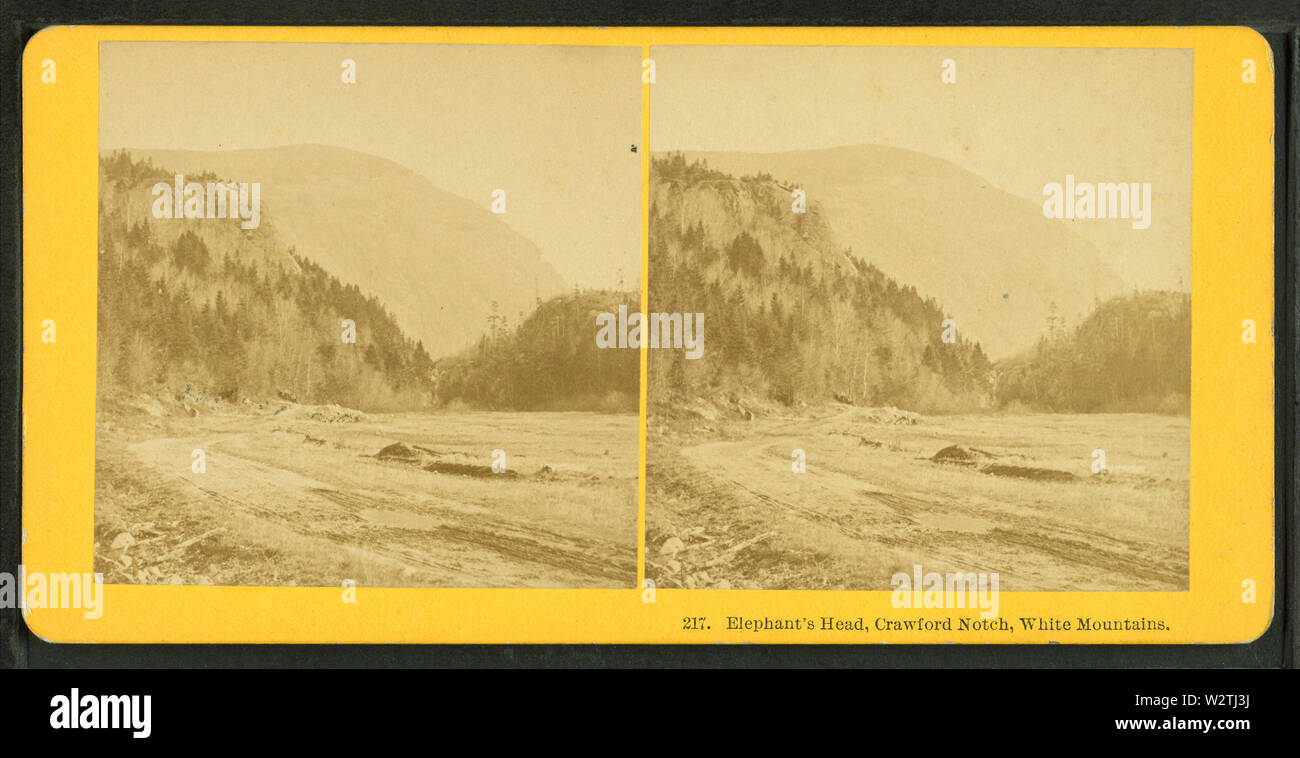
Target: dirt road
[{"x": 301, "y": 501}]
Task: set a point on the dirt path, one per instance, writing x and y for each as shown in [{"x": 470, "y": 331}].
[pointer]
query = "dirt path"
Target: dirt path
[
  {"x": 877, "y": 507},
  {"x": 305, "y": 487}
]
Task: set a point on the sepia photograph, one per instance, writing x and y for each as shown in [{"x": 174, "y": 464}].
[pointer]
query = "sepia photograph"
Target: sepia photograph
[
  {"x": 943, "y": 304},
  {"x": 345, "y": 298}
]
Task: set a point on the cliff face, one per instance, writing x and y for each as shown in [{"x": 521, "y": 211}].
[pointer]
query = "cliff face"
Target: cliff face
[
  {"x": 999, "y": 267},
  {"x": 789, "y": 314},
  {"x": 725, "y": 208}
]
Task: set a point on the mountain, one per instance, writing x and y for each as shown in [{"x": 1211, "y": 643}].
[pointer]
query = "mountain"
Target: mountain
[
  {"x": 999, "y": 268},
  {"x": 204, "y": 311},
  {"x": 437, "y": 260},
  {"x": 790, "y": 315}
]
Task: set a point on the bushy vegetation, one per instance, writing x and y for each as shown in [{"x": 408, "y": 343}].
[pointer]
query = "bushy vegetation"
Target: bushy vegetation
[{"x": 233, "y": 314}]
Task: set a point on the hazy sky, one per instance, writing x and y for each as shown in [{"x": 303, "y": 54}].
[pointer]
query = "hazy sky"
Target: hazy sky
[
  {"x": 553, "y": 126},
  {"x": 1018, "y": 117}
]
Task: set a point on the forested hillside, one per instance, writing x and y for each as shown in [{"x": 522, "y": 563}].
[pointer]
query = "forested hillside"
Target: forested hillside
[
  {"x": 1132, "y": 353},
  {"x": 436, "y": 260},
  {"x": 547, "y": 361},
  {"x": 789, "y": 315},
  {"x": 204, "y": 307},
  {"x": 989, "y": 257}
]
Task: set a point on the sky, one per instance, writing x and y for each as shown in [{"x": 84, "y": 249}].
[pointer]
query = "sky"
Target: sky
[
  {"x": 1020, "y": 118},
  {"x": 551, "y": 125}
]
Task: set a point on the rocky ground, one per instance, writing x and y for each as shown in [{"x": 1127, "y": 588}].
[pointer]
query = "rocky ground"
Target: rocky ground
[
  {"x": 291, "y": 494},
  {"x": 884, "y": 490}
]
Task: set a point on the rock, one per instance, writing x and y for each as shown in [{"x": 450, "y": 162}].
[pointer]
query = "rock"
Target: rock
[
  {"x": 674, "y": 566},
  {"x": 690, "y": 582},
  {"x": 722, "y": 584},
  {"x": 671, "y": 546},
  {"x": 123, "y": 541},
  {"x": 125, "y": 560},
  {"x": 144, "y": 577},
  {"x": 703, "y": 577},
  {"x": 956, "y": 454},
  {"x": 704, "y": 411},
  {"x": 175, "y": 579},
  {"x": 202, "y": 579},
  {"x": 398, "y": 451}
]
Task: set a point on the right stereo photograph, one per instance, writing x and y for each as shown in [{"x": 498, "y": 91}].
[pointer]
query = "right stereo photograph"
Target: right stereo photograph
[{"x": 919, "y": 309}]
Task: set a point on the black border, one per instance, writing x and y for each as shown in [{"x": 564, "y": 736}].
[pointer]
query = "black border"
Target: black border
[{"x": 1278, "y": 20}]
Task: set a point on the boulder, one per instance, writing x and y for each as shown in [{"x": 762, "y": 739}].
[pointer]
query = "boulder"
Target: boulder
[{"x": 398, "y": 451}]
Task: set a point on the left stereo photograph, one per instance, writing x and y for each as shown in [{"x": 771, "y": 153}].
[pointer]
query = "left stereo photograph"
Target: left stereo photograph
[{"x": 345, "y": 308}]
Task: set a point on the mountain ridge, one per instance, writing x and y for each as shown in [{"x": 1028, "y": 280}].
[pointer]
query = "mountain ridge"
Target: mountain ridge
[{"x": 398, "y": 236}]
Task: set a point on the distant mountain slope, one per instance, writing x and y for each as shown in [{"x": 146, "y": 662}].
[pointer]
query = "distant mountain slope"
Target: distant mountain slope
[
  {"x": 437, "y": 260},
  {"x": 789, "y": 315},
  {"x": 992, "y": 259}
]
